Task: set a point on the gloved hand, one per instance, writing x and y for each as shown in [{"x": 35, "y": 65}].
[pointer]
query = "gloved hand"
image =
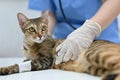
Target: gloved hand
[{"x": 77, "y": 41}]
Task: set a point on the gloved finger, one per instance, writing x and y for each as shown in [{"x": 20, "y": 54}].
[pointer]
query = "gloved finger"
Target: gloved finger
[
  {"x": 75, "y": 52},
  {"x": 75, "y": 56},
  {"x": 67, "y": 56},
  {"x": 59, "y": 59},
  {"x": 60, "y": 55},
  {"x": 59, "y": 47}
]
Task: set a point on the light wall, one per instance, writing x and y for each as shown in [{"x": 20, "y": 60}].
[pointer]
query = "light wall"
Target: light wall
[{"x": 10, "y": 33}]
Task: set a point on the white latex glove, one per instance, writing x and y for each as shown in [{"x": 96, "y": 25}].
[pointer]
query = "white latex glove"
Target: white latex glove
[{"x": 77, "y": 41}]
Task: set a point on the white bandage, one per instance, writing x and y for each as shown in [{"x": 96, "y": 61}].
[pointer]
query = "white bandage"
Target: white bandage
[{"x": 25, "y": 66}]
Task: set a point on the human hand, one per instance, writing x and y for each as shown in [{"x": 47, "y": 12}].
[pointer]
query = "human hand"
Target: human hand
[{"x": 77, "y": 41}]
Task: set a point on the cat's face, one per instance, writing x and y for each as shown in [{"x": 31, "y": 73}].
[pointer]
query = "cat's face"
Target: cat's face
[{"x": 35, "y": 30}]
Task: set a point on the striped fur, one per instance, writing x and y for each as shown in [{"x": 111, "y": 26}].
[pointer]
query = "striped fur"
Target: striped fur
[{"x": 100, "y": 59}]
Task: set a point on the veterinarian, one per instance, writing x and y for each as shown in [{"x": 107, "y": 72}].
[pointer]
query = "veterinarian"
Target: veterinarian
[{"x": 80, "y": 22}]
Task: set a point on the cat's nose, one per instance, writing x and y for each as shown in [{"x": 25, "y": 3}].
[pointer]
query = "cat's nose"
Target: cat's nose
[{"x": 40, "y": 36}]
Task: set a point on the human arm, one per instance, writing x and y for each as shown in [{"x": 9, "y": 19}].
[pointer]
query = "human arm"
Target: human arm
[
  {"x": 82, "y": 38},
  {"x": 51, "y": 23},
  {"x": 107, "y": 13}
]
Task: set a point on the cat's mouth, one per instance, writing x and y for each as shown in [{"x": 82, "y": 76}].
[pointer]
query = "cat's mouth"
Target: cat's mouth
[{"x": 39, "y": 39}]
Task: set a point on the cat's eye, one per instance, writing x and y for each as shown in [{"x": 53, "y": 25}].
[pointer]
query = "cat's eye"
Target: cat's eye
[
  {"x": 31, "y": 29},
  {"x": 43, "y": 28}
]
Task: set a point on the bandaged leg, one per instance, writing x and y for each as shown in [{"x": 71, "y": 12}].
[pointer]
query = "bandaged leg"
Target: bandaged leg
[{"x": 25, "y": 66}]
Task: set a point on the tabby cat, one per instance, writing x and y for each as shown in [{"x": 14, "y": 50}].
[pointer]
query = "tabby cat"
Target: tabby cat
[{"x": 100, "y": 59}]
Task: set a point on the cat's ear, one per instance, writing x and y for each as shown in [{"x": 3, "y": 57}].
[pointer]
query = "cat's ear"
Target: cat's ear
[
  {"x": 21, "y": 19},
  {"x": 45, "y": 15}
]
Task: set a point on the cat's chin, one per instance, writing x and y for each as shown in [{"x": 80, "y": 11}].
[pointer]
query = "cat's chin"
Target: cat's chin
[{"x": 39, "y": 40}]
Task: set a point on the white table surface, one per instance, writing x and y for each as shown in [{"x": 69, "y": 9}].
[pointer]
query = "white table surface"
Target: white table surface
[{"x": 43, "y": 74}]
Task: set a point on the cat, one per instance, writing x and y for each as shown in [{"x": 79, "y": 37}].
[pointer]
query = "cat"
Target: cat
[{"x": 100, "y": 59}]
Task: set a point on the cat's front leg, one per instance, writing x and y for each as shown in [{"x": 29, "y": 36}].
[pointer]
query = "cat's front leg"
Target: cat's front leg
[
  {"x": 34, "y": 65},
  {"x": 9, "y": 70},
  {"x": 41, "y": 64}
]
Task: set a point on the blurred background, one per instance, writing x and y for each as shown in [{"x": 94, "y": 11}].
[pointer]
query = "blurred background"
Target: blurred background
[{"x": 10, "y": 33}]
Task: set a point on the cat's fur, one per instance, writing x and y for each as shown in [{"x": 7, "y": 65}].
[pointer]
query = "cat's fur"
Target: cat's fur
[{"x": 100, "y": 59}]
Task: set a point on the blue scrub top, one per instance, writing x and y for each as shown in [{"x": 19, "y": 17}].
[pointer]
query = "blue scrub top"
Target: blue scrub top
[{"x": 77, "y": 11}]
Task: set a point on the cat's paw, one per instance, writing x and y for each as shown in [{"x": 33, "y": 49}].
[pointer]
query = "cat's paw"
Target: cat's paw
[
  {"x": 4, "y": 71},
  {"x": 9, "y": 70}
]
